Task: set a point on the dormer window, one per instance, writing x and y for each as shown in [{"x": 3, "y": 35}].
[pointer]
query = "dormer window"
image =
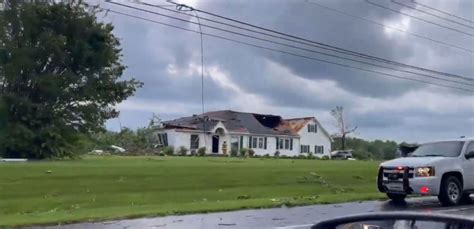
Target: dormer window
[{"x": 312, "y": 128}]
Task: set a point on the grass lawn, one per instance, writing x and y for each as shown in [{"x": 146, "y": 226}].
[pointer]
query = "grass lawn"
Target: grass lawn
[{"x": 96, "y": 188}]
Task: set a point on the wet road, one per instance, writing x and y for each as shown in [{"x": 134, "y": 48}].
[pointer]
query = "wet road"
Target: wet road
[{"x": 290, "y": 218}]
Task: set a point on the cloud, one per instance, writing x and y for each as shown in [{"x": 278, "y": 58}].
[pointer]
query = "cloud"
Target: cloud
[{"x": 244, "y": 78}]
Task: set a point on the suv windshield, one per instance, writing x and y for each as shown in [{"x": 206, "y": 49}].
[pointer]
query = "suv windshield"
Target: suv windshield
[{"x": 441, "y": 149}]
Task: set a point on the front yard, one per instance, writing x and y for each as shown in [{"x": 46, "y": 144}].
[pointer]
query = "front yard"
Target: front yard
[{"x": 97, "y": 188}]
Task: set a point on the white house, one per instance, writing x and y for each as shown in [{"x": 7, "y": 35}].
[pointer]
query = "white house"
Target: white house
[{"x": 265, "y": 134}]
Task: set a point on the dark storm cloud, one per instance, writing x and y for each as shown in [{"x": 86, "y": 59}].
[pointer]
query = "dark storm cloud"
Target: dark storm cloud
[{"x": 149, "y": 51}]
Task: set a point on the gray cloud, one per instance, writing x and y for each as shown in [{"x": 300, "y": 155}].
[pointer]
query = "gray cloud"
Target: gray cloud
[{"x": 290, "y": 83}]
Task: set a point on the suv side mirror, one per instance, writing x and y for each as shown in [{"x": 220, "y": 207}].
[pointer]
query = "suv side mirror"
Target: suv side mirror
[{"x": 469, "y": 155}]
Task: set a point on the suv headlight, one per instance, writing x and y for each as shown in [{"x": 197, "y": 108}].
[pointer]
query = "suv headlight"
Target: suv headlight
[{"x": 424, "y": 172}]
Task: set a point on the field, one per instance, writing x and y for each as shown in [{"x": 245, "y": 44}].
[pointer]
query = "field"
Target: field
[{"x": 98, "y": 188}]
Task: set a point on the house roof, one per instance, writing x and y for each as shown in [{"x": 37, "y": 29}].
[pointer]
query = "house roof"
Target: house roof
[
  {"x": 243, "y": 122},
  {"x": 237, "y": 122},
  {"x": 296, "y": 124}
]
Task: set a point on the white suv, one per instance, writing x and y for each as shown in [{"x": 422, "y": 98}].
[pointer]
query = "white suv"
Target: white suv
[{"x": 444, "y": 169}]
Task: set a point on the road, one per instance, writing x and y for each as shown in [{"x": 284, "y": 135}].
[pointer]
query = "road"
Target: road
[{"x": 278, "y": 218}]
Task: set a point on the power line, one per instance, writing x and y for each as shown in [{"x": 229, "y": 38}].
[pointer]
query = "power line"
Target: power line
[
  {"x": 390, "y": 27},
  {"x": 323, "y": 44},
  {"x": 290, "y": 53},
  {"x": 418, "y": 18},
  {"x": 443, "y": 12},
  {"x": 432, "y": 14},
  {"x": 295, "y": 47}
]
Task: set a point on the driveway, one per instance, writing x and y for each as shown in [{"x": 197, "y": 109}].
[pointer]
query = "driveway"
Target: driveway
[{"x": 296, "y": 217}]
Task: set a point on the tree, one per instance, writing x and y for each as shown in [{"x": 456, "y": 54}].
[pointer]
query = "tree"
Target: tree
[
  {"x": 344, "y": 128},
  {"x": 60, "y": 73}
]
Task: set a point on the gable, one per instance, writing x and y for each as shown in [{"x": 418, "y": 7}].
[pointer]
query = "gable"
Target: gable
[{"x": 320, "y": 128}]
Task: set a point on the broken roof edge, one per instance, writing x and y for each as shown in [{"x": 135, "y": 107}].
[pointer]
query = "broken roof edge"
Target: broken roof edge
[{"x": 315, "y": 120}]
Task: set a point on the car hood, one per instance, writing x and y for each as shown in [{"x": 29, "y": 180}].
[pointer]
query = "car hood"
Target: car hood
[{"x": 412, "y": 161}]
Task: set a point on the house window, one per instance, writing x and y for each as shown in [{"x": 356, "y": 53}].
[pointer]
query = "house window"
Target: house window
[
  {"x": 161, "y": 140},
  {"x": 312, "y": 128},
  {"x": 305, "y": 149},
  {"x": 285, "y": 143},
  {"x": 194, "y": 141},
  {"x": 259, "y": 143},
  {"x": 319, "y": 149}
]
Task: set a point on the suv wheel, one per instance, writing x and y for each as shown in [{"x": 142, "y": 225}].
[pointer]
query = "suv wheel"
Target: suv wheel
[
  {"x": 450, "y": 192},
  {"x": 397, "y": 197}
]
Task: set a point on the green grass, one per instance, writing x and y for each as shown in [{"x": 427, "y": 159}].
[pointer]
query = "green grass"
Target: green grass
[{"x": 98, "y": 188}]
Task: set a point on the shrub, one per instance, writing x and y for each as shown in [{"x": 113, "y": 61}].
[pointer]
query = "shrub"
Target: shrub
[
  {"x": 234, "y": 152},
  {"x": 243, "y": 152},
  {"x": 161, "y": 154},
  {"x": 192, "y": 152},
  {"x": 182, "y": 151},
  {"x": 201, "y": 151},
  {"x": 302, "y": 156},
  {"x": 276, "y": 154},
  {"x": 251, "y": 152},
  {"x": 168, "y": 150},
  {"x": 311, "y": 155},
  {"x": 266, "y": 155},
  {"x": 325, "y": 157}
]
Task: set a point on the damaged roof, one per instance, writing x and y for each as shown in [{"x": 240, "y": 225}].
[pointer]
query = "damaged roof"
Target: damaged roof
[{"x": 237, "y": 122}]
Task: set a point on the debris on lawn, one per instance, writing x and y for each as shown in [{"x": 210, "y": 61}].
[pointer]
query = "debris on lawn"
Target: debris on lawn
[
  {"x": 243, "y": 197},
  {"x": 315, "y": 175},
  {"x": 357, "y": 177},
  {"x": 13, "y": 160},
  {"x": 312, "y": 197},
  {"x": 48, "y": 171}
]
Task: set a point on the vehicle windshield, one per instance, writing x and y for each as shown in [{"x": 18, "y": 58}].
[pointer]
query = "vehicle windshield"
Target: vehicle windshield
[{"x": 439, "y": 149}]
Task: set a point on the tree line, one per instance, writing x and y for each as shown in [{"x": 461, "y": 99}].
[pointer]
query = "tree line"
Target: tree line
[{"x": 368, "y": 150}]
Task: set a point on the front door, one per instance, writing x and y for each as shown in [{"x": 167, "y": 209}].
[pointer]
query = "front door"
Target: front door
[
  {"x": 215, "y": 144},
  {"x": 468, "y": 167}
]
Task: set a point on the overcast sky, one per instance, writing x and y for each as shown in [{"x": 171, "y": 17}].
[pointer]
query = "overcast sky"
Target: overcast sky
[{"x": 243, "y": 78}]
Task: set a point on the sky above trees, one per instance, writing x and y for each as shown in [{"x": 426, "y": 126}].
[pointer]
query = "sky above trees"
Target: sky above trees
[{"x": 247, "y": 79}]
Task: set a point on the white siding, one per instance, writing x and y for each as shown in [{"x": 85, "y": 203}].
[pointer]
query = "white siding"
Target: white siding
[
  {"x": 271, "y": 147},
  {"x": 315, "y": 139}
]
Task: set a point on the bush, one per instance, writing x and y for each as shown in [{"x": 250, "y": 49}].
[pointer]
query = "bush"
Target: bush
[
  {"x": 168, "y": 150},
  {"x": 234, "y": 152},
  {"x": 276, "y": 154},
  {"x": 325, "y": 157},
  {"x": 201, "y": 151},
  {"x": 251, "y": 152},
  {"x": 192, "y": 152},
  {"x": 182, "y": 151},
  {"x": 311, "y": 155},
  {"x": 243, "y": 152},
  {"x": 266, "y": 155}
]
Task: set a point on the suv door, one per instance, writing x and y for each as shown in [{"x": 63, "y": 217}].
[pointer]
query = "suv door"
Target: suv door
[{"x": 468, "y": 168}]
